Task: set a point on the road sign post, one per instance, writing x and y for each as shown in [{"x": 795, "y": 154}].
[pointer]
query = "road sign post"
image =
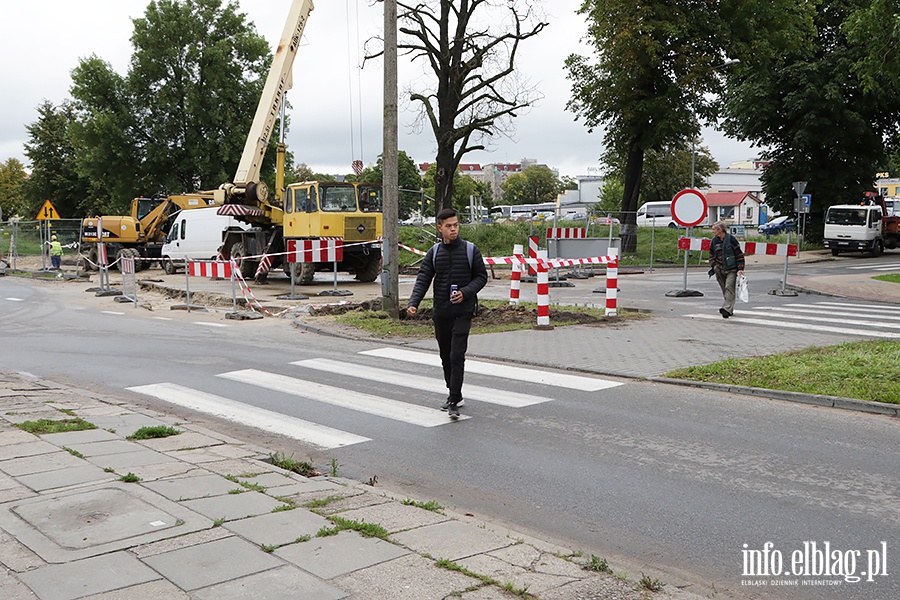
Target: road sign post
[{"x": 689, "y": 208}]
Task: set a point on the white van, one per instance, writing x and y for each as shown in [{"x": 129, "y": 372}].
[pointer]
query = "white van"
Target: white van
[
  {"x": 195, "y": 234},
  {"x": 656, "y": 214}
]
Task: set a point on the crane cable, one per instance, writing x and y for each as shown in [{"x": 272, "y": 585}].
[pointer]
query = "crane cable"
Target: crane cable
[{"x": 350, "y": 84}]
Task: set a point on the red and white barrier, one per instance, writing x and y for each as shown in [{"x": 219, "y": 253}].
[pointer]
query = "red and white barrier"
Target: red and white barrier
[
  {"x": 209, "y": 268},
  {"x": 543, "y": 290},
  {"x": 319, "y": 250},
  {"x": 515, "y": 276},
  {"x": 532, "y": 252},
  {"x": 747, "y": 247},
  {"x": 566, "y": 233}
]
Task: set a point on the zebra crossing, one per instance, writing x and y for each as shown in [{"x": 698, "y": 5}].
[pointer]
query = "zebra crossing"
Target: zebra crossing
[
  {"x": 892, "y": 266},
  {"x": 847, "y": 318},
  {"x": 302, "y": 385}
]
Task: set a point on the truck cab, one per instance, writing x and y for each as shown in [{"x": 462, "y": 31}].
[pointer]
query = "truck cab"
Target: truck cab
[{"x": 854, "y": 228}]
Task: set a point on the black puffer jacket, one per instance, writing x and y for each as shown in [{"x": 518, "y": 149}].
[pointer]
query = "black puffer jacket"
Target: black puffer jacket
[{"x": 448, "y": 264}]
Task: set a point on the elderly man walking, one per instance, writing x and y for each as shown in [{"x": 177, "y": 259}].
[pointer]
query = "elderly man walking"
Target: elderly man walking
[{"x": 726, "y": 262}]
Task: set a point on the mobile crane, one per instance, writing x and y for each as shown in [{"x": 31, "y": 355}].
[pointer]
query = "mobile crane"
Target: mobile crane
[{"x": 308, "y": 210}]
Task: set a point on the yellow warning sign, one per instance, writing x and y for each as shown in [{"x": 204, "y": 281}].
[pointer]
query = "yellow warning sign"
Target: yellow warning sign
[{"x": 47, "y": 211}]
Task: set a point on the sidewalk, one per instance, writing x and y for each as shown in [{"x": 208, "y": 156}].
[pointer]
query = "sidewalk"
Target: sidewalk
[{"x": 211, "y": 518}]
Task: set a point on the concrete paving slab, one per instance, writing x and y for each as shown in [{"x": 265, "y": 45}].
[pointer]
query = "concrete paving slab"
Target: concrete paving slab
[
  {"x": 519, "y": 577},
  {"x": 175, "y": 468},
  {"x": 233, "y": 506},
  {"x": 89, "y": 576},
  {"x": 16, "y": 556},
  {"x": 27, "y": 465},
  {"x": 106, "y": 447},
  {"x": 125, "y": 424},
  {"x": 352, "y": 502},
  {"x": 15, "y": 493},
  {"x": 182, "y": 541},
  {"x": 36, "y": 414},
  {"x": 452, "y": 540},
  {"x": 185, "y": 439},
  {"x": 126, "y": 460},
  {"x": 14, "y": 436},
  {"x": 87, "y": 436},
  {"x": 32, "y": 447},
  {"x": 395, "y": 516},
  {"x": 411, "y": 577},
  {"x": 236, "y": 467},
  {"x": 279, "y": 528},
  {"x": 73, "y": 525},
  {"x": 154, "y": 590},
  {"x": 268, "y": 480},
  {"x": 328, "y": 557},
  {"x": 308, "y": 486},
  {"x": 595, "y": 587},
  {"x": 521, "y": 554},
  {"x": 282, "y": 582},
  {"x": 211, "y": 563},
  {"x": 189, "y": 488},
  {"x": 51, "y": 480},
  {"x": 13, "y": 589}
]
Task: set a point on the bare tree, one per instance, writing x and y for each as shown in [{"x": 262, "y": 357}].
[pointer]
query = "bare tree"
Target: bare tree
[{"x": 470, "y": 47}]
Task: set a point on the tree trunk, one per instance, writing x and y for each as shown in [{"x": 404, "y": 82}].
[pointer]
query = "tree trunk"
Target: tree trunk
[
  {"x": 633, "y": 170},
  {"x": 445, "y": 168}
]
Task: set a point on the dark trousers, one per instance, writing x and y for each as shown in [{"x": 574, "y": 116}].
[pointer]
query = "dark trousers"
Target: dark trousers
[{"x": 452, "y": 336}]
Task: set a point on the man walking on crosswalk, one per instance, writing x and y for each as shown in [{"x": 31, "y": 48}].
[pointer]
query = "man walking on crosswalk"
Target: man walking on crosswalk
[{"x": 458, "y": 272}]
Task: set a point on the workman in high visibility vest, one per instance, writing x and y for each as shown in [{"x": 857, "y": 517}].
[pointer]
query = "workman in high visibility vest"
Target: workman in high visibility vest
[{"x": 56, "y": 252}]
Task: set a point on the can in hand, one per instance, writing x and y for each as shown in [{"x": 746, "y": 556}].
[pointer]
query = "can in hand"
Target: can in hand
[{"x": 453, "y": 288}]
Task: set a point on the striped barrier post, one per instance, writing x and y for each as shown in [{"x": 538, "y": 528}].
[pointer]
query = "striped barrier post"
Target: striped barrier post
[
  {"x": 515, "y": 276},
  {"x": 543, "y": 292},
  {"x": 532, "y": 253},
  {"x": 612, "y": 283}
]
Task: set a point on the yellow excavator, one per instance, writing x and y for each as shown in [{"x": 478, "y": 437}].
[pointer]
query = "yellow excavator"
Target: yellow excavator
[{"x": 140, "y": 234}]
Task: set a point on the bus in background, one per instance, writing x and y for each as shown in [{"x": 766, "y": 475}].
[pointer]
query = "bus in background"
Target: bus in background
[{"x": 522, "y": 212}]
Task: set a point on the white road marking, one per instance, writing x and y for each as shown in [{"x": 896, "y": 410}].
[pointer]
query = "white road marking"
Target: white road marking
[
  {"x": 111, "y": 312},
  {"x": 374, "y": 405},
  {"x": 862, "y": 307},
  {"x": 790, "y": 325},
  {"x": 426, "y": 384},
  {"x": 832, "y": 312},
  {"x": 163, "y": 318},
  {"x": 237, "y": 412},
  {"x": 16, "y": 299},
  {"x": 531, "y": 375},
  {"x": 878, "y": 267},
  {"x": 832, "y": 319},
  {"x": 208, "y": 324}
]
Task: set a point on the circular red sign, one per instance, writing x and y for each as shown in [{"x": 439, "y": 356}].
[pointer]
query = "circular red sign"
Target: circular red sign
[{"x": 689, "y": 208}]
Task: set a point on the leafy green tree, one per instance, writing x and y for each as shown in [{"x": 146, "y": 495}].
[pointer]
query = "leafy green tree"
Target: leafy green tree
[
  {"x": 534, "y": 185},
  {"x": 302, "y": 172},
  {"x": 567, "y": 182},
  {"x": 810, "y": 110},
  {"x": 178, "y": 120},
  {"x": 610, "y": 196},
  {"x": 653, "y": 70},
  {"x": 54, "y": 166},
  {"x": 668, "y": 171},
  {"x": 470, "y": 49},
  {"x": 875, "y": 28},
  {"x": 12, "y": 189},
  {"x": 409, "y": 180}
]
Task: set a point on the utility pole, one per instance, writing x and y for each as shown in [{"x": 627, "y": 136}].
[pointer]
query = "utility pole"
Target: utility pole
[{"x": 390, "y": 185}]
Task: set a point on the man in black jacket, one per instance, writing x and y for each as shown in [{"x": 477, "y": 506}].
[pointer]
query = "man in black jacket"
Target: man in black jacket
[
  {"x": 726, "y": 262},
  {"x": 458, "y": 272}
]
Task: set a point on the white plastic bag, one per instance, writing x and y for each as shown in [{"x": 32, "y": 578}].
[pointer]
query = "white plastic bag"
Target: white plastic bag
[{"x": 743, "y": 293}]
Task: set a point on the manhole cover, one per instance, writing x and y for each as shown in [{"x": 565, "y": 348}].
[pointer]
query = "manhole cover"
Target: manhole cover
[{"x": 92, "y": 518}]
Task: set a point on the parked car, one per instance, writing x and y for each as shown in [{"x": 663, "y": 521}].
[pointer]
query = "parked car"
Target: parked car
[
  {"x": 605, "y": 221},
  {"x": 777, "y": 225},
  {"x": 579, "y": 216}
]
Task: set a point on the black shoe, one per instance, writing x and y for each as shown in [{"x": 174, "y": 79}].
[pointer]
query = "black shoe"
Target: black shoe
[
  {"x": 453, "y": 411},
  {"x": 725, "y": 313},
  {"x": 446, "y": 405}
]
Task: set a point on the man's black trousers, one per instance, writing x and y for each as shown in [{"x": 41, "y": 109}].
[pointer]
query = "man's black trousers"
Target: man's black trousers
[{"x": 452, "y": 336}]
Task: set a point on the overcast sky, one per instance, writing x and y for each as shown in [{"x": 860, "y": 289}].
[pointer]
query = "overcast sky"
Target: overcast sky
[{"x": 328, "y": 129}]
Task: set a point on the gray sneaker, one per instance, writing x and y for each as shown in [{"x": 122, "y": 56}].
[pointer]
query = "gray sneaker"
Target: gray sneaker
[
  {"x": 453, "y": 411},
  {"x": 446, "y": 405}
]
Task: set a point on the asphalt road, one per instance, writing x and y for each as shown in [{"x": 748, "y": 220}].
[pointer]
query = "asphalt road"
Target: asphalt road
[{"x": 673, "y": 482}]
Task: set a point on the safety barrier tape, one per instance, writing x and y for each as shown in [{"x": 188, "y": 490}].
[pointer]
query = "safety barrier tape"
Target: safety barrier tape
[{"x": 747, "y": 247}]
